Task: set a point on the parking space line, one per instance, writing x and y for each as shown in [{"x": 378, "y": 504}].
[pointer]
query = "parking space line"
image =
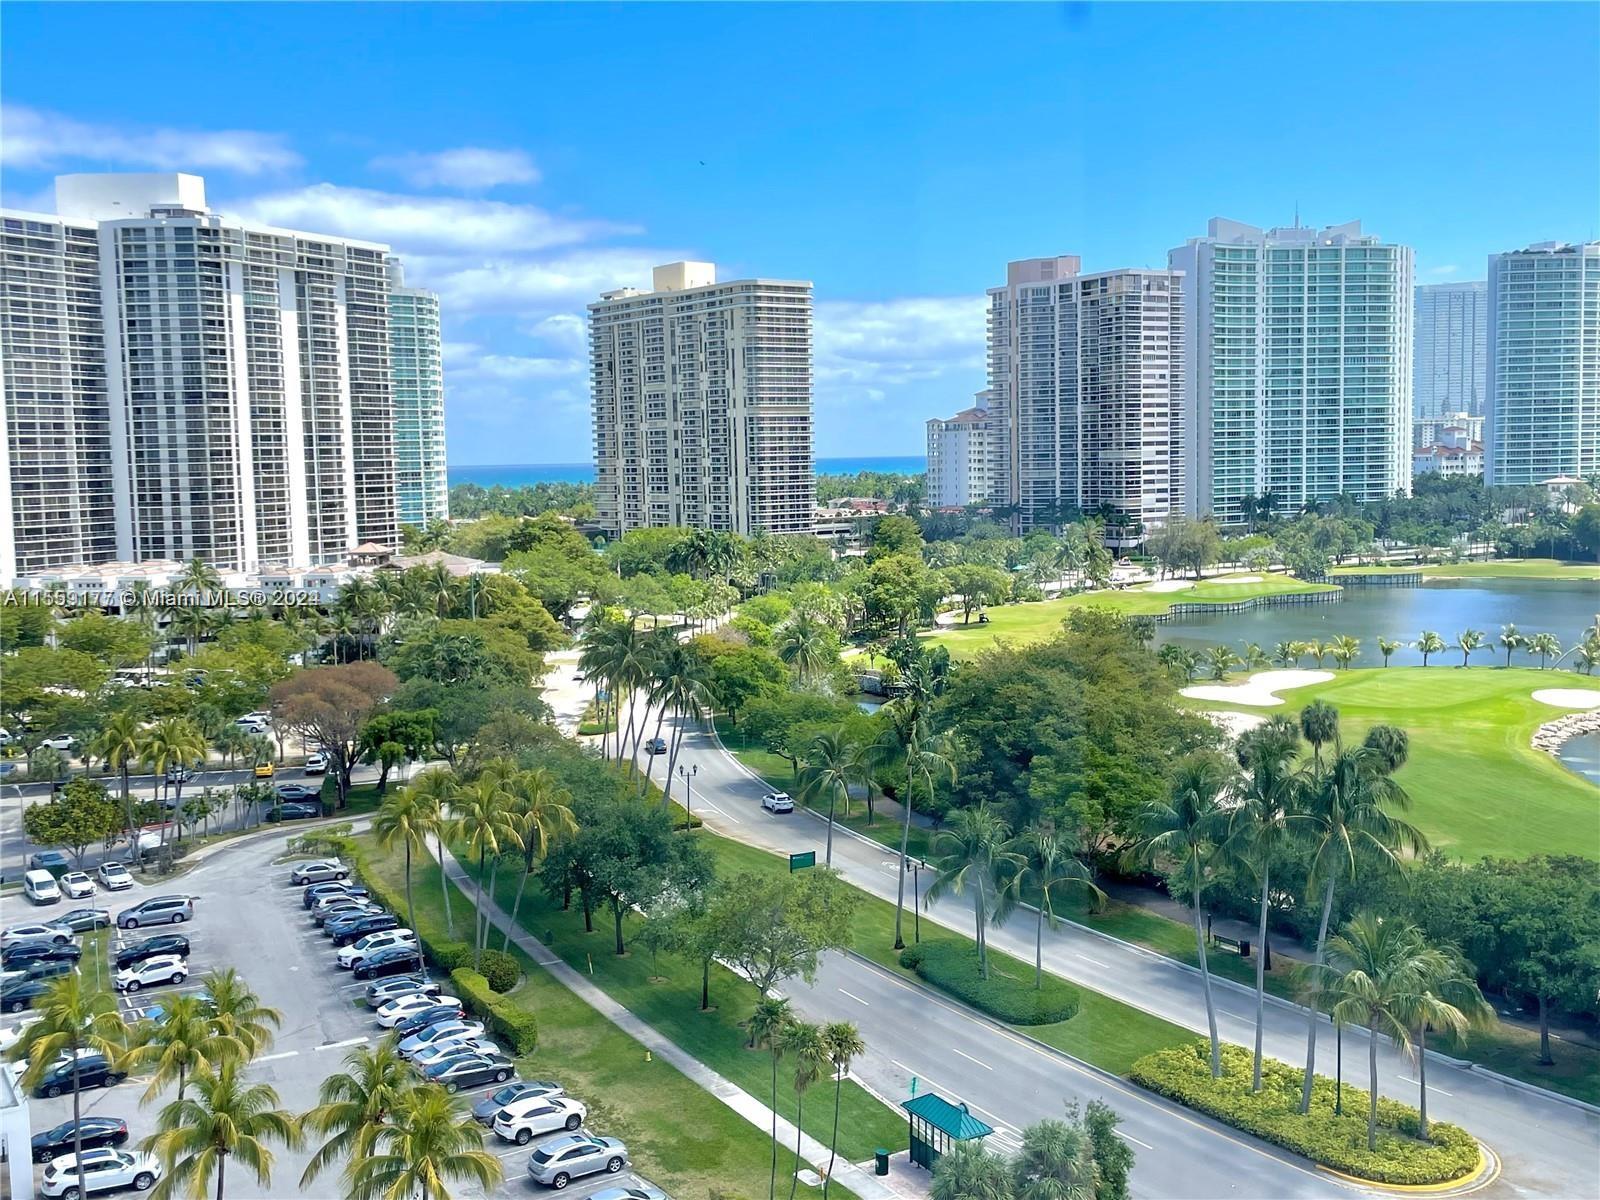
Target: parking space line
[
  {"x": 509, "y": 1153},
  {"x": 274, "y": 1057},
  {"x": 355, "y": 1041}
]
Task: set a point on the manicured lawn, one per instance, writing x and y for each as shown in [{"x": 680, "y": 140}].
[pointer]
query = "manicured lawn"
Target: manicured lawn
[
  {"x": 679, "y": 1135},
  {"x": 775, "y": 769},
  {"x": 1500, "y": 568},
  {"x": 1033, "y": 622}
]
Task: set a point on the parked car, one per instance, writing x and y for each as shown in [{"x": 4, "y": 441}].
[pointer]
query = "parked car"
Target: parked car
[
  {"x": 292, "y": 812},
  {"x": 93, "y": 1070},
  {"x": 162, "y": 944},
  {"x": 54, "y": 861},
  {"x": 332, "y": 888},
  {"x": 99, "y": 1171},
  {"x": 470, "y": 1070},
  {"x": 176, "y": 774},
  {"x": 114, "y": 876},
  {"x": 777, "y": 802},
  {"x": 409, "y": 1044},
  {"x": 18, "y": 957},
  {"x": 404, "y": 1007},
  {"x": 49, "y": 968},
  {"x": 522, "y": 1120},
  {"x": 381, "y": 993},
  {"x": 298, "y": 791},
  {"x": 437, "y": 1012},
  {"x": 158, "y": 910},
  {"x": 80, "y": 920},
  {"x": 352, "y": 929},
  {"x": 41, "y": 887},
  {"x": 76, "y": 885},
  {"x": 561, "y": 1160},
  {"x": 656, "y": 745},
  {"x": 96, "y": 1132},
  {"x": 485, "y": 1110},
  {"x": 631, "y": 1191},
  {"x": 343, "y": 908},
  {"x": 164, "y": 968},
  {"x": 397, "y": 960},
  {"x": 252, "y": 723},
  {"x": 60, "y": 741},
  {"x": 319, "y": 870},
  {"x": 264, "y": 770},
  {"x": 34, "y": 932},
  {"x": 20, "y": 993},
  {"x": 317, "y": 763},
  {"x": 362, "y": 948},
  {"x": 447, "y": 1048}
]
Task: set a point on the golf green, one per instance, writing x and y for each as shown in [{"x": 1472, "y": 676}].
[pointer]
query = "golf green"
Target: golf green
[{"x": 1500, "y": 568}]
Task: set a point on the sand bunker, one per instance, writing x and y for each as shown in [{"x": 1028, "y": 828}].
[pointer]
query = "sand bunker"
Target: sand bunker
[
  {"x": 1259, "y": 690},
  {"x": 1171, "y": 585},
  {"x": 1568, "y": 697},
  {"x": 1234, "y": 724}
]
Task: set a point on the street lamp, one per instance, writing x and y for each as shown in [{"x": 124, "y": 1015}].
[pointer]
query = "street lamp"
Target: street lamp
[{"x": 688, "y": 793}]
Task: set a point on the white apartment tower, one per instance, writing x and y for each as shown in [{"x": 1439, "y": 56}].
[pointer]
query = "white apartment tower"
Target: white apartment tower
[
  {"x": 702, "y": 403},
  {"x": 1544, "y": 364},
  {"x": 1084, "y": 378},
  {"x": 1450, "y": 336},
  {"x": 960, "y": 458},
  {"x": 416, "y": 363},
  {"x": 231, "y": 380},
  {"x": 1298, "y": 382}
]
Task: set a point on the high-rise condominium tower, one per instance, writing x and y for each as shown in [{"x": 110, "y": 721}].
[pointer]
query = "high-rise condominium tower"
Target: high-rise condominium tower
[
  {"x": 1298, "y": 383},
  {"x": 225, "y": 390},
  {"x": 422, "y": 491},
  {"x": 1544, "y": 363},
  {"x": 960, "y": 458},
  {"x": 1451, "y": 340},
  {"x": 1084, "y": 377},
  {"x": 702, "y": 403}
]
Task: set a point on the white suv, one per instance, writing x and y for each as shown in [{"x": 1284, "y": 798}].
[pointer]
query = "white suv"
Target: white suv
[
  {"x": 521, "y": 1120},
  {"x": 103, "y": 1171},
  {"x": 777, "y": 802},
  {"x": 353, "y": 954}
]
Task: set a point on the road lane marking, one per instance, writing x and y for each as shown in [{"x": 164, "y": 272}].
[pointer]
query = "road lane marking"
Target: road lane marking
[
  {"x": 280, "y": 1054},
  {"x": 355, "y": 1041},
  {"x": 1128, "y": 1137},
  {"x": 969, "y": 1058},
  {"x": 855, "y": 997},
  {"x": 509, "y": 1153},
  {"x": 1095, "y": 961}
]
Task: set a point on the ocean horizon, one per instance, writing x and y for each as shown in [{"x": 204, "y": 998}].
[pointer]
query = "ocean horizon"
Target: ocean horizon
[{"x": 512, "y": 475}]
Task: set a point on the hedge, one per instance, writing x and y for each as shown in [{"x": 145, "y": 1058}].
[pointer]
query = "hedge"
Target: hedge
[
  {"x": 517, "y": 1027},
  {"x": 1183, "y": 1073},
  {"x": 953, "y": 967}
]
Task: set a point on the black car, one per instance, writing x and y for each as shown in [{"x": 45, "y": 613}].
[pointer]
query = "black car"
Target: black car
[
  {"x": 348, "y": 931},
  {"x": 392, "y": 960},
  {"x": 162, "y": 943},
  {"x": 49, "y": 968},
  {"x": 94, "y": 1070},
  {"x": 18, "y": 957},
  {"x": 292, "y": 812},
  {"x": 81, "y": 919},
  {"x": 299, "y": 791},
  {"x": 18, "y": 994},
  {"x": 96, "y": 1132},
  {"x": 53, "y": 861},
  {"x": 340, "y": 887},
  {"x": 432, "y": 1015},
  {"x": 469, "y": 1070}
]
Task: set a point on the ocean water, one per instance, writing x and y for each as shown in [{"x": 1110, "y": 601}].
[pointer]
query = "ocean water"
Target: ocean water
[{"x": 526, "y": 474}]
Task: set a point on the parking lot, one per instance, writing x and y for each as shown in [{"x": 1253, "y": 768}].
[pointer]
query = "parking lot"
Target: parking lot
[{"x": 250, "y": 918}]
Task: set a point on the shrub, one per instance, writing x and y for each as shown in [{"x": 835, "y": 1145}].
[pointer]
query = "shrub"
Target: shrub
[
  {"x": 1183, "y": 1073},
  {"x": 500, "y": 969},
  {"x": 449, "y": 955},
  {"x": 1008, "y": 994},
  {"x": 516, "y": 1027}
]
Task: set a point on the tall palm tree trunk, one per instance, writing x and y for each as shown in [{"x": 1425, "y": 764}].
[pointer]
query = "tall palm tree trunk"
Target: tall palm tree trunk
[
  {"x": 444, "y": 888},
  {"x": 1205, "y": 982},
  {"x": 1313, "y": 1012},
  {"x": 1038, "y": 951},
  {"x": 77, "y": 1114},
  {"x": 127, "y": 807},
  {"x": 1372, "y": 1085},
  {"x": 477, "y": 917},
  {"x": 222, "y": 1168},
  {"x": 799, "y": 1132},
  {"x": 650, "y": 759},
  {"x": 516, "y": 904},
  {"x": 1422, "y": 1080},
  {"x": 672, "y": 756},
  {"x": 1261, "y": 979},
  {"x": 833, "y": 798},
  {"x": 833, "y": 1143},
  {"x": 772, "y": 1178},
  {"x": 411, "y": 908},
  {"x": 977, "y": 914},
  {"x": 900, "y": 888}
]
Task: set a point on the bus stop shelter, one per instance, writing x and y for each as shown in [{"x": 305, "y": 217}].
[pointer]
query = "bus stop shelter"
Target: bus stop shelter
[{"x": 935, "y": 1123}]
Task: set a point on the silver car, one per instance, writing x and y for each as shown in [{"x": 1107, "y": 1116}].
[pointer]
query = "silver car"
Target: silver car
[
  {"x": 319, "y": 871},
  {"x": 562, "y": 1159}
]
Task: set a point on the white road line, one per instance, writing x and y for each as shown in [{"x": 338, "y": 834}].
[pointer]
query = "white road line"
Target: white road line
[
  {"x": 509, "y": 1153},
  {"x": 855, "y": 997},
  {"x": 969, "y": 1058},
  {"x": 1086, "y": 958},
  {"x": 355, "y": 1041},
  {"x": 280, "y": 1054},
  {"x": 1130, "y": 1138},
  {"x": 548, "y": 962}
]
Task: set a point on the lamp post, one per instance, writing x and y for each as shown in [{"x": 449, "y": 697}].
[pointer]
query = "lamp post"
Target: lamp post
[{"x": 688, "y": 793}]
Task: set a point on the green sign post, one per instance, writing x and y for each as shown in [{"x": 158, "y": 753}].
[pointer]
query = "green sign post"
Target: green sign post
[{"x": 799, "y": 862}]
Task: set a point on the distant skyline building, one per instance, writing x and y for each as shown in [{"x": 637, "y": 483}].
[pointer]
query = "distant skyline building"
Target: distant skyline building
[
  {"x": 1298, "y": 381},
  {"x": 960, "y": 458},
  {"x": 1084, "y": 378},
  {"x": 1544, "y": 364},
  {"x": 1454, "y": 452},
  {"x": 225, "y": 393},
  {"x": 702, "y": 403},
  {"x": 416, "y": 363},
  {"x": 1450, "y": 358}
]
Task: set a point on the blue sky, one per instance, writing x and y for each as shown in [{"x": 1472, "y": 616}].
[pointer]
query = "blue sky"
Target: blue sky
[{"x": 526, "y": 157}]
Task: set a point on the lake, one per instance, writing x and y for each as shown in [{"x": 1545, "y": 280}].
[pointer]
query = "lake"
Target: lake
[
  {"x": 1445, "y": 606},
  {"x": 1582, "y": 755}
]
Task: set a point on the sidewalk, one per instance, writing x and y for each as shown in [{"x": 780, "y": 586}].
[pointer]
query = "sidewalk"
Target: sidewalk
[{"x": 859, "y": 1181}]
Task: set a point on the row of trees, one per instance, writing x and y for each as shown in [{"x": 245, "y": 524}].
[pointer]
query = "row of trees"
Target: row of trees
[{"x": 1079, "y": 1158}]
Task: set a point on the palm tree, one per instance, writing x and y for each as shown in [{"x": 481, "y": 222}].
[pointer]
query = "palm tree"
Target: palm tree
[
  {"x": 407, "y": 818},
  {"x": 1587, "y": 656},
  {"x": 480, "y": 816},
  {"x": 1452, "y": 1004},
  {"x": 1286, "y": 653},
  {"x": 1056, "y": 1162},
  {"x": 1546, "y": 646},
  {"x": 73, "y": 1016},
  {"x": 804, "y": 1043},
  {"x": 1254, "y": 656},
  {"x": 237, "y": 1012},
  {"x": 1376, "y": 975},
  {"x": 354, "y": 1105},
  {"x": 1391, "y": 744},
  {"x": 541, "y": 813},
  {"x": 1317, "y": 649},
  {"x": 972, "y": 853},
  {"x": 1467, "y": 641},
  {"x": 197, "y": 575},
  {"x": 1185, "y": 829},
  {"x": 968, "y": 1171},
  {"x": 232, "y": 742},
  {"x": 1345, "y": 821},
  {"x": 1344, "y": 648},
  {"x": 225, "y": 1118},
  {"x": 431, "y": 1142},
  {"x": 433, "y": 789},
  {"x": 768, "y": 1028},
  {"x": 121, "y": 743},
  {"x": 803, "y": 645},
  {"x": 1045, "y": 864},
  {"x": 843, "y": 1043},
  {"x": 1510, "y": 638},
  {"x": 1429, "y": 643},
  {"x": 927, "y": 754},
  {"x": 832, "y": 762},
  {"x": 174, "y": 742},
  {"x": 1387, "y": 647},
  {"x": 1319, "y": 723},
  {"x": 1221, "y": 660},
  {"x": 183, "y": 1042}
]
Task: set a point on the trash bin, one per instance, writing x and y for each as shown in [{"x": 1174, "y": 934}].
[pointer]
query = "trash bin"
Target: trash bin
[
  {"x": 1244, "y": 948},
  {"x": 880, "y": 1161}
]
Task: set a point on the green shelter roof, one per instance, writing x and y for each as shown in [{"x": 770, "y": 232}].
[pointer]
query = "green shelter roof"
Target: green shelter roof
[{"x": 947, "y": 1118}]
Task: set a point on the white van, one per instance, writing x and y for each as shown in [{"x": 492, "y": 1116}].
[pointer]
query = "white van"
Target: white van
[{"x": 41, "y": 887}]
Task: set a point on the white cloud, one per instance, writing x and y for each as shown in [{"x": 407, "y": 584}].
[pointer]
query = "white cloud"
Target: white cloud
[
  {"x": 38, "y": 139},
  {"x": 536, "y": 286},
  {"x": 879, "y": 343},
  {"x": 1446, "y": 270},
  {"x": 424, "y": 223},
  {"x": 511, "y": 366},
  {"x": 469, "y": 168},
  {"x": 568, "y": 330}
]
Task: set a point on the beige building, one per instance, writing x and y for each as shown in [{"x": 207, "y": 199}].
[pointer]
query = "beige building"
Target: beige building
[
  {"x": 702, "y": 403},
  {"x": 960, "y": 458}
]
